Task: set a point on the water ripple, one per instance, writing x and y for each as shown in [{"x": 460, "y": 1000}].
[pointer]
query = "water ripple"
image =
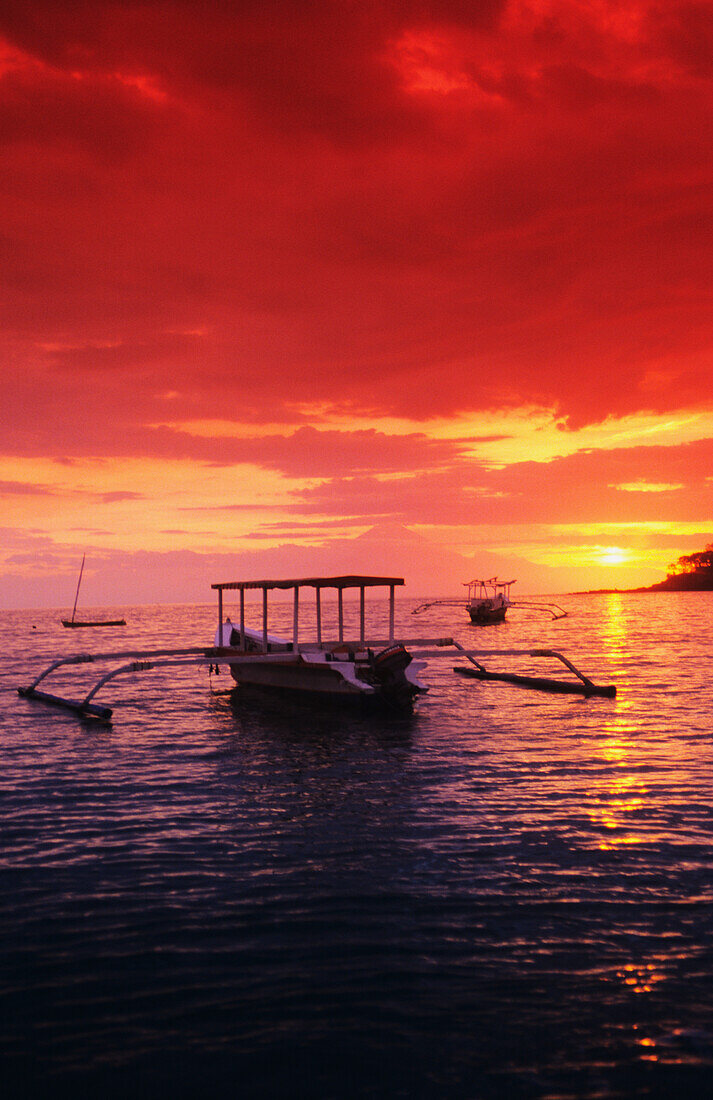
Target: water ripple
[{"x": 507, "y": 895}]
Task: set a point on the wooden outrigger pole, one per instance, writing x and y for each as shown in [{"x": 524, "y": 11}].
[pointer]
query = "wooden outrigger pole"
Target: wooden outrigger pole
[
  {"x": 144, "y": 660},
  {"x": 581, "y": 686},
  {"x": 85, "y": 706}
]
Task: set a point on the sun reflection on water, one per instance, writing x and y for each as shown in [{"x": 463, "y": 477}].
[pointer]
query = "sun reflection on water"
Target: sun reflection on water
[
  {"x": 641, "y": 977},
  {"x": 613, "y": 627},
  {"x": 611, "y": 811},
  {"x": 620, "y": 791}
]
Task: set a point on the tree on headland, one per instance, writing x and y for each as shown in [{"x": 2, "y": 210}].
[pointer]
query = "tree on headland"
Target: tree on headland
[
  {"x": 700, "y": 563},
  {"x": 691, "y": 573}
]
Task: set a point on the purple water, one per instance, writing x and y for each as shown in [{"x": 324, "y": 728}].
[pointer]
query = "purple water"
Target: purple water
[{"x": 507, "y": 895}]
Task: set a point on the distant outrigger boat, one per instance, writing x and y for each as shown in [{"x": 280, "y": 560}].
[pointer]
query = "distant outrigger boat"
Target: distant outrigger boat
[
  {"x": 488, "y": 602},
  {"x": 74, "y": 623}
]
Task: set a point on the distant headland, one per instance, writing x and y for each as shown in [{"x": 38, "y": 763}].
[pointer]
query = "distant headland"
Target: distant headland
[{"x": 691, "y": 573}]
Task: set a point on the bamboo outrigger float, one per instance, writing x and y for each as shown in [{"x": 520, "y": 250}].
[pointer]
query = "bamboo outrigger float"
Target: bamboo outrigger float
[
  {"x": 381, "y": 671},
  {"x": 581, "y": 686}
]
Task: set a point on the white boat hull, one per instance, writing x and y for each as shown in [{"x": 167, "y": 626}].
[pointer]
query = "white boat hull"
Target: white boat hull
[
  {"x": 322, "y": 679},
  {"x": 337, "y": 681},
  {"x": 390, "y": 677}
]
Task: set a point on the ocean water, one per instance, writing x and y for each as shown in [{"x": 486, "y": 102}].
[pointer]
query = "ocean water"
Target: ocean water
[{"x": 507, "y": 895}]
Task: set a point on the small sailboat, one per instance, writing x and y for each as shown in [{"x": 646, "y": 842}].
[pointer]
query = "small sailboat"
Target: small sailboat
[{"x": 72, "y": 623}]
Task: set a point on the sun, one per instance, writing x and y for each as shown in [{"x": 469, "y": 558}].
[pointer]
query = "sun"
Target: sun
[{"x": 613, "y": 555}]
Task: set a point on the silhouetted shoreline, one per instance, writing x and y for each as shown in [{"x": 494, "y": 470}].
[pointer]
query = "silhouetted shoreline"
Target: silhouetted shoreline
[{"x": 685, "y": 583}]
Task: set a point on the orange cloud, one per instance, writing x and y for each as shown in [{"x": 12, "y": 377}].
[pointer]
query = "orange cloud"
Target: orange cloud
[{"x": 377, "y": 238}]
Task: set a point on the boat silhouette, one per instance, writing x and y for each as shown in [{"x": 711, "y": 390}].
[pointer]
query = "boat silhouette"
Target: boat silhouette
[{"x": 75, "y": 623}]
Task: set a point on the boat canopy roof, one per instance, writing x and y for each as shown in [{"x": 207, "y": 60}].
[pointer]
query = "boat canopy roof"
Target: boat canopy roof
[
  {"x": 493, "y": 581},
  {"x": 352, "y": 581}
]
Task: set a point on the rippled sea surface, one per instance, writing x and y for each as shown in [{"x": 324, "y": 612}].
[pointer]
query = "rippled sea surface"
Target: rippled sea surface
[{"x": 508, "y": 895}]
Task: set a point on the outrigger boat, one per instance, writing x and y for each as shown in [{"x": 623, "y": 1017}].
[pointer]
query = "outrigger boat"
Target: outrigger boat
[
  {"x": 381, "y": 671},
  {"x": 488, "y": 602}
]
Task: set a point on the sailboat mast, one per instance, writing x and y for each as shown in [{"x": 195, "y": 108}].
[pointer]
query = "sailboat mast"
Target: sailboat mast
[{"x": 81, "y": 570}]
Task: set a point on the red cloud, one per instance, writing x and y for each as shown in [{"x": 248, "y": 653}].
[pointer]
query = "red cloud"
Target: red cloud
[{"x": 530, "y": 226}]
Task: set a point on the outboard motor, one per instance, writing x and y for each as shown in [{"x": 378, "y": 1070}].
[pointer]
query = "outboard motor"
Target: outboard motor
[
  {"x": 392, "y": 659},
  {"x": 389, "y": 667}
]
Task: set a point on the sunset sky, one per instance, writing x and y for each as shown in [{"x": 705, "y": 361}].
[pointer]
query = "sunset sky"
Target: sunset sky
[{"x": 398, "y": 285}]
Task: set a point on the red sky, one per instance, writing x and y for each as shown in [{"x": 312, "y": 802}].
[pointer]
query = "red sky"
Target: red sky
[{"x": 276, "y": 274}]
